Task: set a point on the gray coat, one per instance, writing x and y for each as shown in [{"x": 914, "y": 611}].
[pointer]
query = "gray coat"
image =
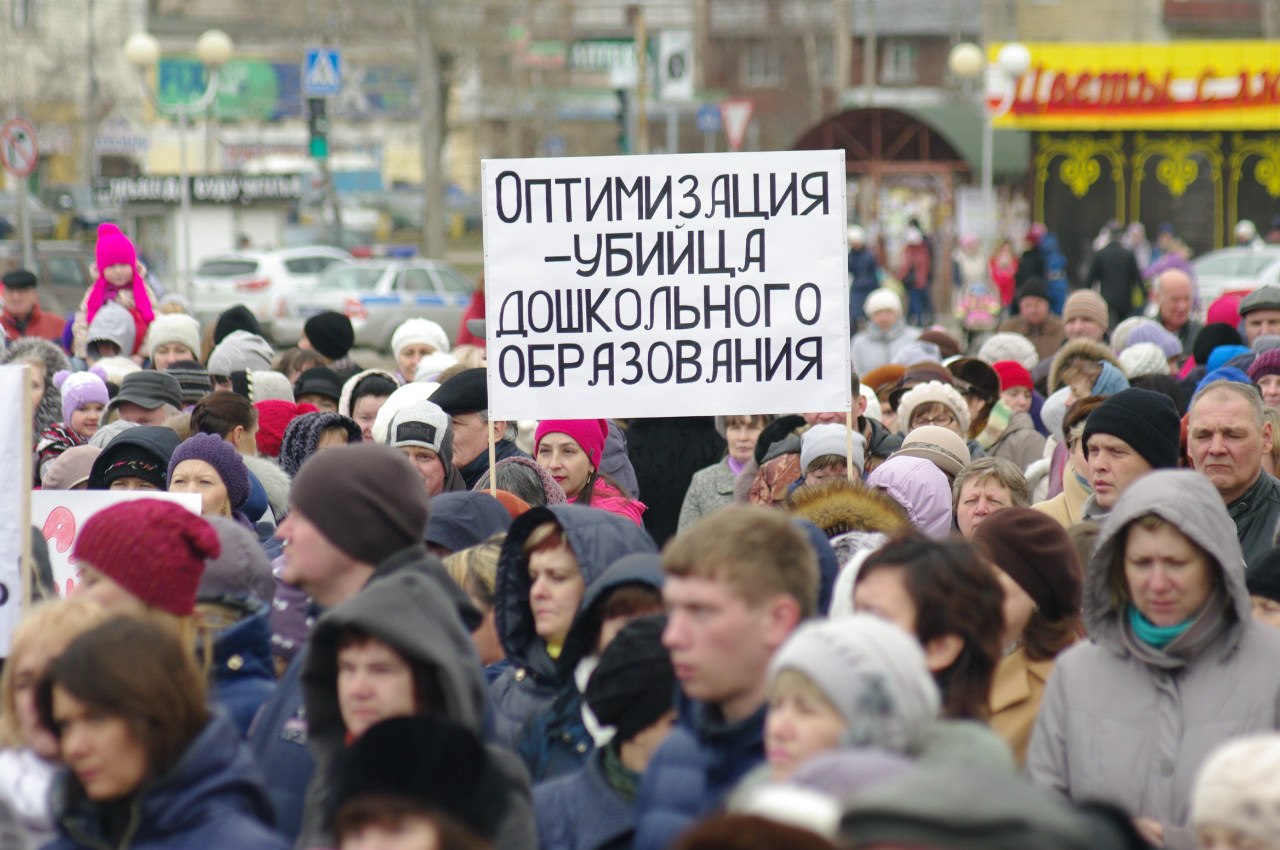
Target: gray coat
[
  {"x": 710, "y": 490},
  {"x": 1124, "y": 722},
  {"x": 873, "y": 347},
  {"x": 1020, "y": 443}
]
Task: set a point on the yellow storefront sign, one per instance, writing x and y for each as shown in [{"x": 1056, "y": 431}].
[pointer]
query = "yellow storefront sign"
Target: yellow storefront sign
[{"x": 1183, "y": 85}]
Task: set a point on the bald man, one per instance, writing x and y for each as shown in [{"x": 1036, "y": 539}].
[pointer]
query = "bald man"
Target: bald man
[{"x": 1174, "y": 295}]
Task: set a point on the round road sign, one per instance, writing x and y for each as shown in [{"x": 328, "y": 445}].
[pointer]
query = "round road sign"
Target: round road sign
[{"x": 18, "y": 151}]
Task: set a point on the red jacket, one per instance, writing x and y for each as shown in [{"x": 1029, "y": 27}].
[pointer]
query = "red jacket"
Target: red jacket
[{"x": 39, "y": 323}]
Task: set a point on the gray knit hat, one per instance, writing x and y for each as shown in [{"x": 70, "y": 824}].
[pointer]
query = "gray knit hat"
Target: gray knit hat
[
  {"x": 1009, "y": 346},
  {"x": 240, "y": 351},
  {"x": 831, "y": 439}
]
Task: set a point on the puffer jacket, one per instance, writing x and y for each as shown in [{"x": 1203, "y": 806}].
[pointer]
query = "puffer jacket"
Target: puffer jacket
[
  {"x": 529, "y": 686},
  {"x": 582, "y": 812},
  {"x": 407, "y": 612},
  {"x": 1020, "y": 443},
  {"x": 1124, "y": 722},
  {"x": 213, "y": 797},
  {"x": 244, "y": 675},
  {"x": 875, "y": 347}
]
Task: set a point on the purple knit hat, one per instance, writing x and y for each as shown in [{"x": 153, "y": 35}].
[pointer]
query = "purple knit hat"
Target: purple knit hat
[
  {"x": 79, "y": 389},
  {"x": 223, "y": 457},
  {"x": 1152, "y": 332},
  {"x": 1266, "y": 363}
]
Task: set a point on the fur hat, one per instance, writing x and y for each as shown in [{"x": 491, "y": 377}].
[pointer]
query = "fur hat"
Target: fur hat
[
  {"x": 1144, "y": 358},
  {"x": 940, "y": 446},
  {"x": 1075, "y": 351},
  {"x": 930, "y": 392},
  {"x": 883, "y": 377},
  {"x": 174, "y": 327},
  {"x": 972, "y": 374},
  {"x": 832, "y": 439},
  {"x": 840, "y": 507},
  {"x": 1009, "y": 346},
  {"x": 948, "y": 346},
  {"x": 420, "y": 331},
  {"x": 1238, "y": 787},
  {"x": 882, "y": 299}
]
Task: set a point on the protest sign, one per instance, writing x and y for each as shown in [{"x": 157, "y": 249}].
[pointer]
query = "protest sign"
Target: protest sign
[
  {"x": 61, "y": 514},
  {"x": 15, "y": 483},
  {"x": 694, "y": 284}
]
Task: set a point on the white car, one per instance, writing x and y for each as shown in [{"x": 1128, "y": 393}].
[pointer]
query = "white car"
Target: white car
[
  {"x": 257, "y": 279},
  {"x": 1235, "y": 270}
]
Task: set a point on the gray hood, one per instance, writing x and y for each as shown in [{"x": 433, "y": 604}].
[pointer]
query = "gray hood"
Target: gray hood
[{"x": 1188, "y": 501}]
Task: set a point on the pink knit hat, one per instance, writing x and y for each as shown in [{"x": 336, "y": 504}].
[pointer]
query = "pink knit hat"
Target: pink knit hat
[
  {"x": 590, "y": 434},
  {"x": 114, "y": 248}
]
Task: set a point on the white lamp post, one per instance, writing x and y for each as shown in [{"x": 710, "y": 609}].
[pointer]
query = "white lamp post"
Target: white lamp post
[
  {"x": 213, "y": 49},
  {"x": 968, "y": 61}
]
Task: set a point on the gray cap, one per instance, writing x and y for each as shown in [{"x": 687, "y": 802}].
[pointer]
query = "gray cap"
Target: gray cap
[
  {"x": 149, "y": 389},
  {"x": 240, "y": 351},
  {"x": 242, "y": 568},
  {"x": 1262, "y": 298}
]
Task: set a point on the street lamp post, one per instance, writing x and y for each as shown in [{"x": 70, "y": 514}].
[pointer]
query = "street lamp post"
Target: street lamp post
[
  {"x": 214, "y": 49},
  {"x": 968, "y": 61}
]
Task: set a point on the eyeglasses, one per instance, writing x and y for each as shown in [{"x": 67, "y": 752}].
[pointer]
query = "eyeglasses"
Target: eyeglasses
[{"x": 942, "y": 419}]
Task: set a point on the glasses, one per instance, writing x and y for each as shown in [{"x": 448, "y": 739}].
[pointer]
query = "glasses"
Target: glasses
[{"x": 942, "y": 419}]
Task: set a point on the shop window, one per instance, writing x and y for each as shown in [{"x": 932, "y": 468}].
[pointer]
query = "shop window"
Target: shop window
[
  {"x": 899, "y": 65},
  {"x": 761, "y": 65}
]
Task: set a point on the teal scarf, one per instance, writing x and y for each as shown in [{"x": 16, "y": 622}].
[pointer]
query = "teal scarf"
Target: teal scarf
[{"x": 1153, "y": 635}]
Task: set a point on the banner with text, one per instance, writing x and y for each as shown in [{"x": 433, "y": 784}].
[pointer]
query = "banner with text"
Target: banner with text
[
  {"x": 60, "y": 514},
  {"x": 15, "y": 483},
  {"x": 691, "y": 285}
]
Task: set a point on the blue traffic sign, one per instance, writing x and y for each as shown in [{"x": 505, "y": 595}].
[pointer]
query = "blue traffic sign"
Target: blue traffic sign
[
  {"x": 708, "y": 118},
  {"x": 322, "y": 72}
]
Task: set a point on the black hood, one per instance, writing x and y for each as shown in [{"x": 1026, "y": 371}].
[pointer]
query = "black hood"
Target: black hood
[{"x": 156, "y": 440}]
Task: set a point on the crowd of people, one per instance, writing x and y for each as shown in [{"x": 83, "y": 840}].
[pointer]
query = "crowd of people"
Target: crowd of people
[{"x": 1025, "y": 593}]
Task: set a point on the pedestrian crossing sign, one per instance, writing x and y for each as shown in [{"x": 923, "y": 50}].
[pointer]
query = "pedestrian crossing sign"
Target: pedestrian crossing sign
[{"x": 322, "y": 72}]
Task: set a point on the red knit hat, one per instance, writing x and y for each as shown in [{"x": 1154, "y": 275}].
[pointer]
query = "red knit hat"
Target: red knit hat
[
  {"x": 274, "y": 417},
  {"x": 588, "y": 433},
  {"x": 1012, "y": 374},
  {"x": 154, "y": 550}
]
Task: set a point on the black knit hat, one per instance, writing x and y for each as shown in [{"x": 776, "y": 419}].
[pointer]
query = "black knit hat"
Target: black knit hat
[
  {"x": 237, "y": 318},
  {"x": 438, "y": 764},
  {"x": 1033, "y": 286},
  {"x": 1212, "y": 336},
  {"x": 193, "y": 378},
  {"x": 1034, "y": 550},
  {"x": 302, "y": 437},
  {"x": 1146, "y": 420},
  {"x": 318, "y": 380},
  {"x": 634, "y": 683},
  {"x": 465, "y": 392},
  {"x": 330, "y": 334},
  {"x": 1263, "y": 576}
]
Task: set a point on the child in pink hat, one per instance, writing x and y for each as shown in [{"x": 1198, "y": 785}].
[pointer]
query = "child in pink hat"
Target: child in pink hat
[{"x": 119, "y": 279}]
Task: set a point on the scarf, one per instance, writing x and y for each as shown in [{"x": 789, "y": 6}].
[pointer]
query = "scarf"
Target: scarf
[
  {"x": 102, "y": 292},
  {"x": 622, "y": 779},
  {"x": 735, "y": 466},
  {"x": 1157, "y": 636},
  {"x": 997, "y": 422},
  {"x": 1194, "y": 635}
]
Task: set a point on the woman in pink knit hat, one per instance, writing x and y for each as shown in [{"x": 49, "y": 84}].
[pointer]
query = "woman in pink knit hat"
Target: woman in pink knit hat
[
  {"x": 570, "y": 451},
  {"x": 120, "y": 278}
]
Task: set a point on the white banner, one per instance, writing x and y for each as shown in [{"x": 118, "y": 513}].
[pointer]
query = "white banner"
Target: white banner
[
  {"x": 60, "y": 514},
  {"x": 685, "y": 285},
  {"x": 15, "y": 483}
]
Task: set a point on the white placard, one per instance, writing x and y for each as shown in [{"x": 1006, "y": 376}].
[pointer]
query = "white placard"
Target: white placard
[
  {"x": 60, "y": 514},
  {"x": 682, "y": 285},
  {"x": 15, "y": 483}
]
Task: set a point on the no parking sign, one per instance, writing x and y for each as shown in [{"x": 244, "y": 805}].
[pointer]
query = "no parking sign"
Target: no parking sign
[{"x": 18, "y": 150}]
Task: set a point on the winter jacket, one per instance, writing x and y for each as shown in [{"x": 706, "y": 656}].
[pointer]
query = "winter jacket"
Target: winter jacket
[
  {"x": 1186, "y": 334},
  {"x": 863, "y": 271},
  {"x": 1068, "y": 506},
  {"x": 405, "y": 611},
  {"x": 38, "y": 324},
  {"x": 616, "y": 463},
  {"x": 1125, "y": 722},
  {"x": 1047, "y": 337},
  {"x": 479, "y": 465},
  {"x": 581, "y": 811},
  {"x": 123, "y": 297},
  {"x": 874, "y": 347},
  {"x": 1257, "y": 517},
  {"x": 597, "y": 538},
  {"x": 1020, "y": 443},
  {"x": 25, "y": 781},
  {"x": 666, "y": 453},
  {"x": 881, "y": 442},
  {"x": 689, "y": 776},
  {"x": 710, "y": 490},
  {"x": 244, "y": 675},
  {"x": 1116, "y": 272},
  {"x": 557, "y": 741},
  {"x": 212, "y": 797},
  {"x": 606, "y": 497},
  {"x": 1016, "y": 692}
]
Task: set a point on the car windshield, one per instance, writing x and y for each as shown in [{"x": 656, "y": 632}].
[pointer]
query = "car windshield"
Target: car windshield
[
  {"x": 351, "y": 277},
  {"x": 226, "y": 268}
]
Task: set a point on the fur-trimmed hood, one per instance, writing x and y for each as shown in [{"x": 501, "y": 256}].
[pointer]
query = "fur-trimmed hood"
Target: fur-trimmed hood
[
  {"x": 1077, "y": 350},
  {"x": 275, "y": 481},
  {"x": 49, "y": 410},
  {"x": 839, "y": 507}
]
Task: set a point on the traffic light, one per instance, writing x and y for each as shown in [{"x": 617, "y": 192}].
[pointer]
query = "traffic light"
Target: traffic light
[
  {"x": 318, "y": 125},
  {"x": 624, "y": 138}
]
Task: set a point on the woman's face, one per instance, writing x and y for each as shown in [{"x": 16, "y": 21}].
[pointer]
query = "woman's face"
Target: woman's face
[
  {"x": 365, "y": 411},
  {"x": 168, "y": 353},
  {"x": 936, "y": 414},
  {"x": 797, "y": 727},
  {"x": 978, "y": 500},
  {"x": 197, "y": 476},
  {"x": 410, "y": 356},
  {"x": 27, "y": 670},
  {"x": 1270, "y": 387},
  {"x": 104, "y": 590},
  {"x": 565, "y": 461},
  {"x": 429, "y": 466},
  {"x": 36, "y": 382},
  {"x": 742, "y": 434},
  {"x": 555, "y": 590},
  {"x": 1017, "y": 399},
  {"x": 99, "y": 748},
  {"x": 1018, "y": 608},
  {"x": 1169, "y": 577}
]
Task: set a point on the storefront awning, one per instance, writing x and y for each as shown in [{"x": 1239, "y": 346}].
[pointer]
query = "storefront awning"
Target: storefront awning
[{"x": 962, "y": 126}]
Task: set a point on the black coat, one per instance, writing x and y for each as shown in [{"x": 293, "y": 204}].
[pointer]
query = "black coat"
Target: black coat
[{"x": 1116, "y": 271}]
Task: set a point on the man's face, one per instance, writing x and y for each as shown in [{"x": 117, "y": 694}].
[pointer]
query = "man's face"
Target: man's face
[
  {"x": 130, "y": 412},
  {"x": 1034, "y": 309},
  {"x": 1225, "y": 443},
  {"x": 1174, "y": 298},
  {"x": 1113, "y": 466},
  {"x": 311, "y": 562},
  {"x": 429, "y": 467},
  {"x": 470, "y": 437},
  {"x": 375, "y": 683},
  {"x": 1259, "y": 323},
  {"x": 717, "y": 642},
  {"x": 18, "y": 302},
  {"x": 1082, "y": 328}
]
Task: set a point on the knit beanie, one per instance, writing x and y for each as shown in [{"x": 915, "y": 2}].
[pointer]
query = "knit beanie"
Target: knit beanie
[
  {"x": 1238, "y": 787},
  {"x": 403, "y": 398},
  {"x": 262, "y": 385},
  {"x": 872, "y": 672},
  {"x": 1086, "y": 304},
  {"x": 831, "y": 439},
  {"x": 174, "y": 327},
  {"x": 318, "y": 380},
  {"x": 430, "y": 367},
  {"x": 976, "y": 376},
  {"x": 240, "y": 351},
  {"x": 1210, "y": 338},
  {"x": 1225, "y": 373},
  {"x": 1144, "y": 358},
  {"x": 420, "y": 331},
  {"x": 153, "y": 549},
  {"x": 882, "y": 299},
  {"x": 113, "y": 323},
  {"x": 237, "y": 318},
  {"x": 1012, "y": 374},
  {"x": 1222, "y": 354},
  {"x": 70, "y": 468},
  {"x": 1120, "y": 334},
  {"x": 1034, "y": 550},
  {"x": 589, "y": 434},
  {"x": 1152, "y": 332},
  {"x": 240, "y": 569},
  {"x": 302, "y": 437},
  {"x": 273, "y": 418},
  {"x": 193, "y": 379},
  {"x": 1110, "y": 380},
  {"x": 366, "y": 499},
  {"x": 423, "y": 424},
  {"x": 1009, "y": 346},
  {"x": 1266, "y": 363},
  {"x": 634, "y": 683},
  {"x": 330, "y": 333},
  {"x": 940, "y": 446},
  {"x": 1033, "y": 287},
  {"x": 223, "y": 457},
  {"x": 114, "y": 248},
  {"x": 929, "y": 392},
  {"x": 79, "y": 389},
  {"x": 1266, "y": 342},
  {"x": 1146, "y": 420}
]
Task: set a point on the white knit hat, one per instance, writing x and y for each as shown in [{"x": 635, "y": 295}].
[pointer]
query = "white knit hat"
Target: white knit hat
[
  {"x": 932, "y": 391},
  {"x": 1238, "y": 787},
  {"x": 422, "y": 331},
  {"x": 831, "y": 438},
  {"x": 882, "y": 299},
  {"x": 874, "y": 410},
  {"x": 1009, "y": 346},
  {"x": 174, "y": 327},
  {"x": 1144, "y": 358},
  {"x": 431, "y": 366}
]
